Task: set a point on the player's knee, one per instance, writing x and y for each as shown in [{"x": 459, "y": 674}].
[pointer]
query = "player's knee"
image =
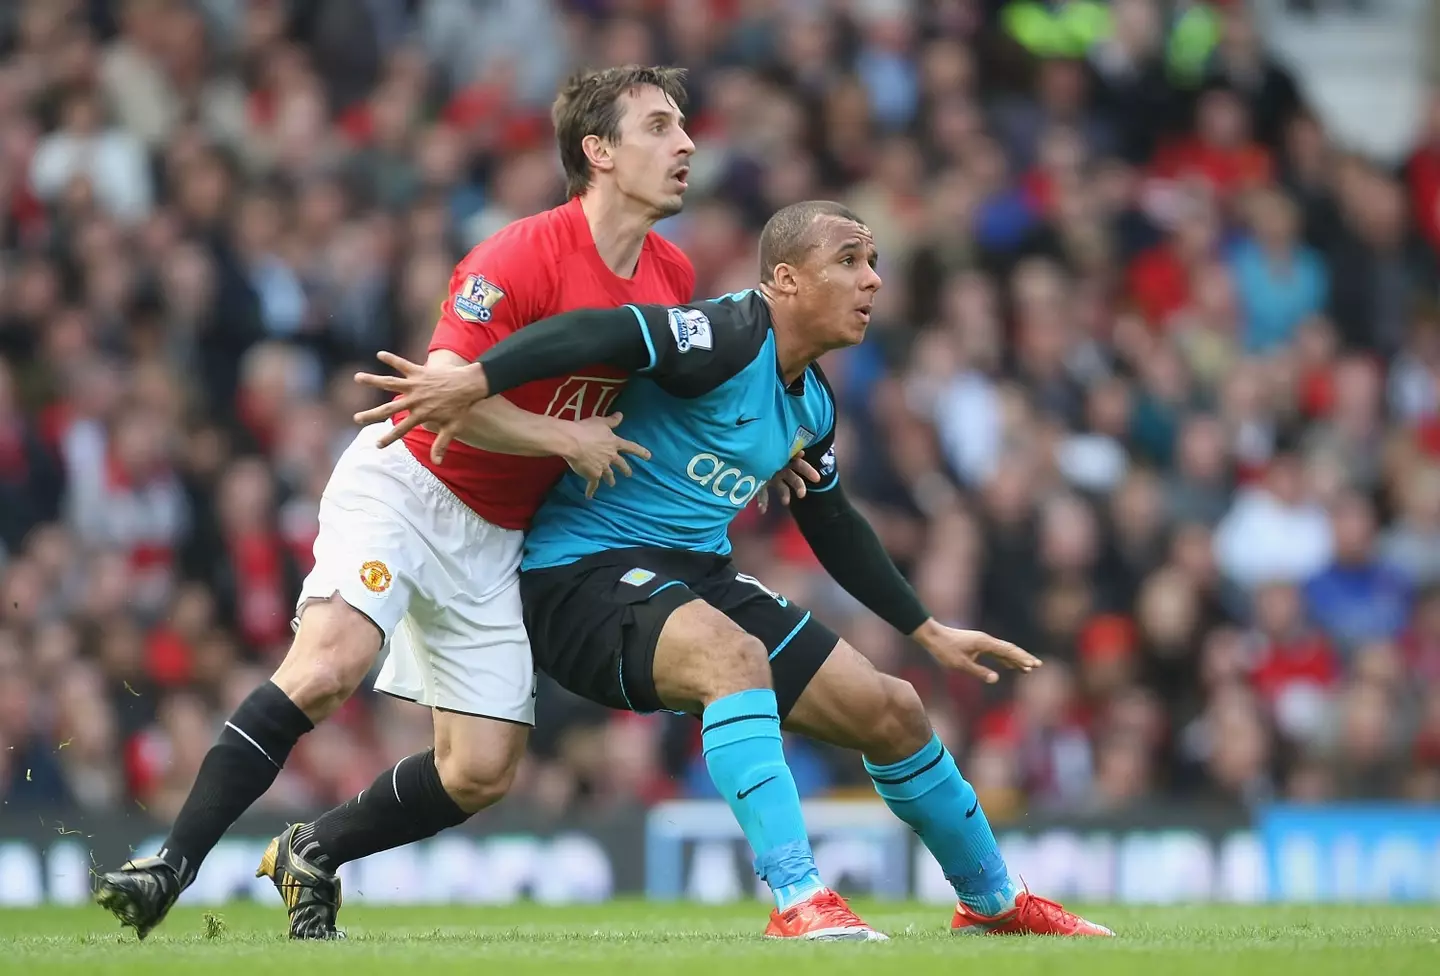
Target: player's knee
[
  {"x": 901, "y": 727},
  {"x": 331, "y": 654},
  {"x": 473, "y": 780},
  {"x": 739, "y": 662}
]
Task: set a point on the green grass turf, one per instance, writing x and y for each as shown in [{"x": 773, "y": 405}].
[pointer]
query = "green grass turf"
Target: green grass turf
[{"x": 689, "y": 940}]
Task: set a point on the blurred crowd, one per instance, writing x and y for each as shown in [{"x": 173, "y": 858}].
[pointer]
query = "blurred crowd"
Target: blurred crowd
[{"x": 1153, "y": 387}]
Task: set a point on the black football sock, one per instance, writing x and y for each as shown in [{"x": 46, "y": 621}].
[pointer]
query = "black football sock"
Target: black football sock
[
  {"x": 237, "y": 771},
  {"x": 406, "y": 803}
]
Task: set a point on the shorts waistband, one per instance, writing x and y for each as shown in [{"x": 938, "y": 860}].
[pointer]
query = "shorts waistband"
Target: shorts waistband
[{"x": 426, "y": 479}]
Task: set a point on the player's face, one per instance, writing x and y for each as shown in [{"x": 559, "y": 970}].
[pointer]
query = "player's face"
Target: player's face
[
  {"x": 652, "y": 159},
  {"x": 838, "y": 282}
]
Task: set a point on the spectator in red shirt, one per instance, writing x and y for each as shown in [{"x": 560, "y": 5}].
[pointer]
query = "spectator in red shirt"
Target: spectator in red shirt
[
  {"x": 256, "y": 575},
  {"x": 1221, "y": 153},
  {"x": 1160, "y": 280},
  {"x": 30, "y": 475},
  {"x": 1296, "y": 670},
  {"x": 1422, "y": 173}
]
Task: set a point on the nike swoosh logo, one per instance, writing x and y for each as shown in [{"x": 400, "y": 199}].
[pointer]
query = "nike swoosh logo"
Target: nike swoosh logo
[
  {"x": 744, "y": 793},
  {"x": 745, "y": 420},
  {"x": 973, "y": 807}
]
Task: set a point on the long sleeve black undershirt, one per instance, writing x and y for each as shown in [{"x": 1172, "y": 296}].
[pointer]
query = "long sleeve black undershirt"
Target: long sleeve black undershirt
[
  {"x": 853, "y": 555},
  {"x": 564, "y": 343}
]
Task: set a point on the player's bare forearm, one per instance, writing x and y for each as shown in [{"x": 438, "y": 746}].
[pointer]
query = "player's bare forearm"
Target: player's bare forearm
[
  {"x": 441, "y": 393},
  {"x": 498, "y": 425}
]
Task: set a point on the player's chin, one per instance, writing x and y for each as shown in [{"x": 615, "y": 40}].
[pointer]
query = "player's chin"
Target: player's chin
[
  {"x": 852, "y": 334},
  {"x": 670, "y": 205}
]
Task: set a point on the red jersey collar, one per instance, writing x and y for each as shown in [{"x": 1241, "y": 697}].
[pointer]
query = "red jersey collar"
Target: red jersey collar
[{"x": 618, "y": 287}]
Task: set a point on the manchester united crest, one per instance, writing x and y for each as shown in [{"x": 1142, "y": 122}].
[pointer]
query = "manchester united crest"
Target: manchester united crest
[{"x": 376, "y": 576}]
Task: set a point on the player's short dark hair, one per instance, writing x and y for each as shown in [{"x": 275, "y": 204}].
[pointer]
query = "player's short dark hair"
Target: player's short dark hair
[
  {"x": 790, "y": 234},
  {"x": 589, "y": 105}
]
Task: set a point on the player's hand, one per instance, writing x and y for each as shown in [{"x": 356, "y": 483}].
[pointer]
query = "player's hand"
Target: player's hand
[
  {"x": 437, "y": 396},
  {"x": 962, "y": 649},
  {"x": 598, "y": 451},
  {"x": 789, "y": 483}
]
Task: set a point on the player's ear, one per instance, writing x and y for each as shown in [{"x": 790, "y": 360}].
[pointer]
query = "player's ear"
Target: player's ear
[
  {"x": 785, "y": 280},
  {"x": 597, "y": 151}
]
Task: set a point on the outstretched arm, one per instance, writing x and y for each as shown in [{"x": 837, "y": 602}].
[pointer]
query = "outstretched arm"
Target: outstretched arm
[
  {"x": 687, "y": 349},
  {"x": 442, "y": 395},
  {"x": 591, "y": 447},
  {"x": 500, "y": 426},
  {"x": 853, "y": 555}
]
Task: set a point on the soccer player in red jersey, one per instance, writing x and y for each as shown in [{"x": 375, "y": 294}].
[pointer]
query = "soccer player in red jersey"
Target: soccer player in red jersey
[{"x": 421, "y": 555}]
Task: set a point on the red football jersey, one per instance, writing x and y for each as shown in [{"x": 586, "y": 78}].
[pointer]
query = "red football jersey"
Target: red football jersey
[{"x": 535, "y": 268}]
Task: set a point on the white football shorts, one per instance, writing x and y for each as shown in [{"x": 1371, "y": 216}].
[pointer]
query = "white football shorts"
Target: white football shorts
[{"x": 440, "y": 582}]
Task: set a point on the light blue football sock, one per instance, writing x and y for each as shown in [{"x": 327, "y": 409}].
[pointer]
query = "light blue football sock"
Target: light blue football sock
[
  {"x": 928, "y": 793},
  {"x": 746, "y": 759}
]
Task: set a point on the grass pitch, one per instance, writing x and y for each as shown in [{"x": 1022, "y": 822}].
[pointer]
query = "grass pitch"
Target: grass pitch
[{"x": 635, "y": 938}]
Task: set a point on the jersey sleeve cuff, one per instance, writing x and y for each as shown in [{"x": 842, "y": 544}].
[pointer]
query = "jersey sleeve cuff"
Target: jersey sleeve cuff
[{"x": 649, "y": 342}]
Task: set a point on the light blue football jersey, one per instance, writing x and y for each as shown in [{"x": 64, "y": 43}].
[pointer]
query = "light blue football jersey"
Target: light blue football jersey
[{"x": 719, "y": 421}]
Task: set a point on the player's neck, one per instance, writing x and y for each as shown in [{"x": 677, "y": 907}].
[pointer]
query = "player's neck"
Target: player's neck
[
  {"x": 618, "y": 227},
  {"x": 793, "y": 354}
]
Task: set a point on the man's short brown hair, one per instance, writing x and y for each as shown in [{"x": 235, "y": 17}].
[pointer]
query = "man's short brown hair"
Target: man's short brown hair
[{"x": 589, "y": 105}]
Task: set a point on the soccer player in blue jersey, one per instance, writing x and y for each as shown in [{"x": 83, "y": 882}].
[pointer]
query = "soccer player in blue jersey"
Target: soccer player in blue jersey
[{"x": 631, "y": 599}]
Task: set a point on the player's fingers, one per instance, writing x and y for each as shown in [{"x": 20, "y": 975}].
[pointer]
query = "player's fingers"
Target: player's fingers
[
  {"x": 623, "y": 465},
  {"x": 391, "y": 384},
  {"x": 376, "y": 414},
  {"x": 591, "y": 486},
  {"x": 441, "y": 444},
  {"x": 1013, "y": 656},
  {"x": 398, "y": 363},
  {"x": 793, "y": 481},
  {"x": 782, "y": 491},
  {"x": 972, "y": 666},
  {"x": 762, "y": 500},
  {"x": 614, "y": 419},
  {"x": 398, "y": 431},
  {"x": 804, "y": 468},
  {"x": 630, "y": 447},
  {"x": 608, "y": 476}
]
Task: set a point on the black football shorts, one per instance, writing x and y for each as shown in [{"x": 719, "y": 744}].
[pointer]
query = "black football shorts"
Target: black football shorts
[{"x": 594, "y": 623}]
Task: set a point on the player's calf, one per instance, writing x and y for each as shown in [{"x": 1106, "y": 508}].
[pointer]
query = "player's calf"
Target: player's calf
[
  {"x": 333, "y": 649},
  {"x": 891, "y": 721},
  {"x": 703, "y": 658},
  {"x": 849, "y": 703},
  {"x": 472, "y": 766},
  {"x": 476, "y": 758}
]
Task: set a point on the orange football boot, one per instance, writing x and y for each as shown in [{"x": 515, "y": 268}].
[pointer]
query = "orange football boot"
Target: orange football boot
[
  {"x": 823, "y": 917},
  {"x": 1032, "y": 915}
]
